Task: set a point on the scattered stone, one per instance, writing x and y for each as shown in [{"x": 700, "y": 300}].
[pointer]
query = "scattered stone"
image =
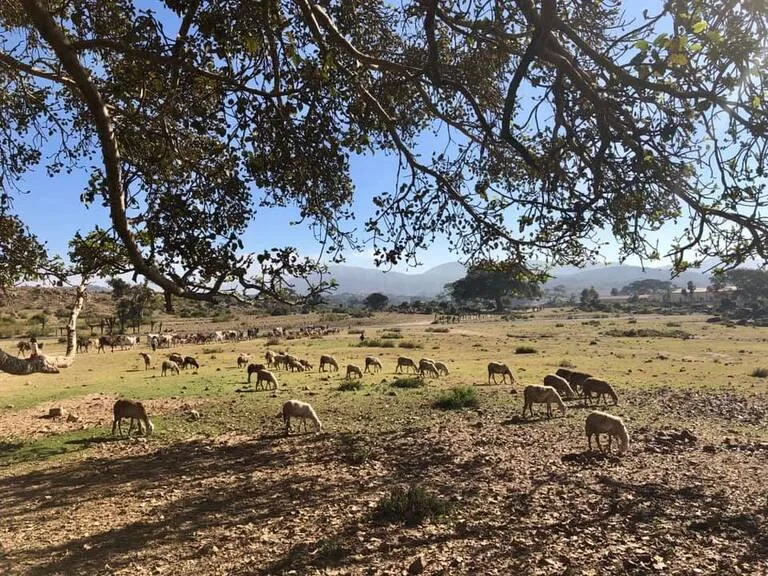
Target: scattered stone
[
  {"x": 709, "y": 449},
  {"x": 9, "y": 406},
  {"x": 56, "y": 412},
  {"x": 73, "y": 418}
]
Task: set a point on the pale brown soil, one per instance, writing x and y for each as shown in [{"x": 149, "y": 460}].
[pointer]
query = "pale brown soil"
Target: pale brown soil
[{"x": 528, "y": 499}]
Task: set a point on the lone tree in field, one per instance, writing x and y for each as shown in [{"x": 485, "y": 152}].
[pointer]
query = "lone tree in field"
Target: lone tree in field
[
  {"x": 564, "y": 118},
  {"x": 494, "y": 282},
  {"x": 376, "y": 301}
]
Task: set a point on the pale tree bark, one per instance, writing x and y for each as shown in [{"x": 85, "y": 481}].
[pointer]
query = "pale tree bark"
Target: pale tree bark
[{"x": 47, "y": 364}]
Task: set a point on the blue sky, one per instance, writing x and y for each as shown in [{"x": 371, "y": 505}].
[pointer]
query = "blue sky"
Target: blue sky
[{"x": 53, "y": 212}]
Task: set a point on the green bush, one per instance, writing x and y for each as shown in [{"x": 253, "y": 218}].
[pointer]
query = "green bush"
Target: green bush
[
  {"x": 410, "y": 345},
  {"x": 408, "y": 382},
  {"x": 392, "y": 335},
  {"x": 350, "y": 385},
  {"x": 525, "y": 350},
  {"x": 410, "y": 507},
  {"x": 375, "y": 343},
  {"x": 457, "y": 398}
]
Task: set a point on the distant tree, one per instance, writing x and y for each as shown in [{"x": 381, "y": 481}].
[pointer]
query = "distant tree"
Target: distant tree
[
  {"x": 41, "y": 319},
  {"x": 493, "y": 282},
  {"x": 589, "y": 297},
  {"x": 691, "y": 288},
  {"x": 717, "y": 281},
  {"x": 376, "y": 301},
  {"x": 614, "y": 291},
  {"x": 647, "y": 286},
  {"x": 752, "y": 285}
]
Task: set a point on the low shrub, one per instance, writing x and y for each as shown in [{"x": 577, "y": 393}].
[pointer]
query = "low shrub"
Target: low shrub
[
  {"x": 374, "y": 343},
  {"x": 760, "y": 373},
  {"x": 410, "y": 344},
  {"x": 525, "y": 350},
  {"x": 408, "y": 382},
  {"x": 410, "y": 507},
  {"x": 441, "y": 330},
  {"x": 457, "y": 398},
  {"x": 566, "y": 364},
  {"x": 350, "y": 385}
]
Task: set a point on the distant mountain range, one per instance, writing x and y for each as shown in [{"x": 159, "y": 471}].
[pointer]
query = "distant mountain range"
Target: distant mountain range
[{"x": 363, "y": 281}]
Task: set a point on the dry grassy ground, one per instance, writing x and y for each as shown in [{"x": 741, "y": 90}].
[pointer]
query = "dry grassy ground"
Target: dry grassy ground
[{"x": 230, "y": 494}]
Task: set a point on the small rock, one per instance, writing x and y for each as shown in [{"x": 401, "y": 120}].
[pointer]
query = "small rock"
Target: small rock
[
  {"x": 417, "y": 566},
  {"x": 709, "y": 449},
  {"x": 55, "y": 412},
  {"x": 73, "y": 418},
  {"x": 9, "y": 406}
]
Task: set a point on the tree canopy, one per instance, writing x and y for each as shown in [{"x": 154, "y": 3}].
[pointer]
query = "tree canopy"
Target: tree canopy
[
  {"x": 494, "y": 282},
  {"x": 554, "y": 120},
  {"x": 647, "y": 286},
  {"x": 376, "y": 301}
]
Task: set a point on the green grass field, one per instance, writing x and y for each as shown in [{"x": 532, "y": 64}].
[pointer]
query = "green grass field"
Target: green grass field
[{"x": 229, "y": 493}]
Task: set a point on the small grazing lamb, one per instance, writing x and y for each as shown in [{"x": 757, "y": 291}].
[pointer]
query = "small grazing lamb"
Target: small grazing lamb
[
  {"x": 560, "y": 384},
  {"x": 442, "y": 369},
  {"x": 372, "y": 361},
  {"x": 495, "y": 368},
  {"x": 353, "y": 370},
  {"x": 601, "y": 388},
  {"x": 169, "y": 365},
  {"x": 133, "y": 410},
  {"x": 307, "y": 364},
  {"x": 147, "y": 360},
  {"x": 268, "y": 377},
  {"x": 330, "y": 360},
  {"x": 404, "y": 362},
  {"x": 190, "y": 361},
  {"x": 542, "y": 395},
  {"x": 269, "y": 357},
  {"x": 243, "y": 359},
  {"x": 298, "y": 409},
  {"x": 601, "y": 423},
  {"x": 428, "y": 366},
  {"x": 253, "y": 369}
]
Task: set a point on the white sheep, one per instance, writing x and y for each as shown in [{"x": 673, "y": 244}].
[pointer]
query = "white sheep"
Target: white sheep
[
  {"x": 243, "y": 360},
  {"x": 495, "y": 368},
  {"x": 298, "y": 409},
  {"x": 330, "y": 360},
  {"x": 372, "y": 361},
  {"x": 601, "y": 388},
  {"x": 426, "y": 365},
  {"x": 269, "y": 356},
  {"x": 535, "y": 394},
  {"x": 169, "y": 365},
  {"x": 442, "y": 369},
  {"x": 404, "y": 362},
  {"x": 560, "y": 384},
  {"x": 266, "y": 376},
  {"x": 353, "y": 370},
  {"x": 601, "y": 423}
]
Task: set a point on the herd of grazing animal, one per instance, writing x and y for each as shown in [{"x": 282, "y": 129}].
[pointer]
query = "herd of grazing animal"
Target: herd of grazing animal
[{"x": 565, "y": 384}]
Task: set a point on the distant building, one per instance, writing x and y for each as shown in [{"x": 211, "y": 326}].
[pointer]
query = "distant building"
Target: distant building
[{"x": 704, "y": 294}]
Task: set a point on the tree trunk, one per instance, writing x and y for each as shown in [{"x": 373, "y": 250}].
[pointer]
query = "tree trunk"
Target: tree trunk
[{"x": 47, "y": 364}]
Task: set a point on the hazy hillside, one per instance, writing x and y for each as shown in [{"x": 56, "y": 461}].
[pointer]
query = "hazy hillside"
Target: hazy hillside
[{"x": 364, "y": 281}]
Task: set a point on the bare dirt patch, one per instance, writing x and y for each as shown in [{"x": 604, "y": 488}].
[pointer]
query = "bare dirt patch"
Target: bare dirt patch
[{"x": 91, "y": 411}]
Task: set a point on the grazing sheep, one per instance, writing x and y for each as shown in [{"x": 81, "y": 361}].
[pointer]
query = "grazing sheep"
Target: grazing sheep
[
  {"x": 599, "y": 387},
  {"x": 242, "y": 360},
  {"x": 330, "y": 360},
  {"x": 535, "y": 394},
  {"x": 169, "y": 365},
  {"x": 560, "y": 384},
  {"x": 307, "y": 364},
  {"x": 190, "y": 361},
  {"x": 352, "y": 370},
  {"x": 176, "y": 357},
  {"x": 298, "y": 409},
  {"x": 133, "y": 410},
  {"x": 269, "y": 356},
  {"x": 577, "y": 379},
  {"x": 404, "y": 362},
  {"x": 442, "y": 369},
  {"x": 428, "y": 366},
  {"x": 295, "y": 365},
  {"x": 564, "y": 373},
  {"x": 268, "y": 377},
  {"x": 280, "y": 361},
  {"x": 83, "y": 344},
  {"x": 372, "y": 361},
  {"x": 495, "y": 368},
  {"x": 601, "y": 423},
  {"x": 254, "y": 368},
  {"x": 147, "y": 360}
]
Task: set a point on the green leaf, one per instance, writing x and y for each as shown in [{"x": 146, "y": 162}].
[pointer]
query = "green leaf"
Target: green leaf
[
  {"x": 699, "y": 27},
  {"x": 756, "y": 102},
  {"x": 642, "y": 45},
  {"x": 677, "y": 59}
]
